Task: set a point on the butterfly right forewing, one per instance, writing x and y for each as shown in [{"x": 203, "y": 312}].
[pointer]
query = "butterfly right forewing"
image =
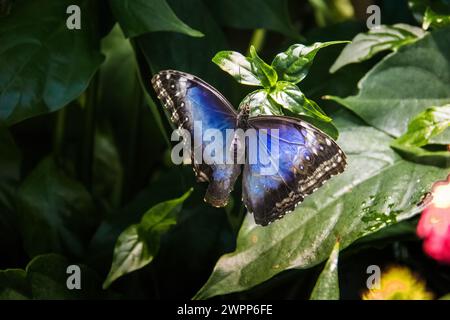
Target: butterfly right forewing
[{"x": 307, "y": 158}]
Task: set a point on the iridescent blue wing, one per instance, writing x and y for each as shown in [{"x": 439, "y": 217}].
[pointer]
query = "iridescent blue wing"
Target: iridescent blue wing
[
  {"x": 196, "y": 106},
  {"x": 306, "y": 158}
]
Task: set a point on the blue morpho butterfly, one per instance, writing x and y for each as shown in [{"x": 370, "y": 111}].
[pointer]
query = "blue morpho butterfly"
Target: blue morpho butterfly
[{"x": 307, "y": 157}]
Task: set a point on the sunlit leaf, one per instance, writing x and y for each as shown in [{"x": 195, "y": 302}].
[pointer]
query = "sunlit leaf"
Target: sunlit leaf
[
  {"x": 425, "y": 126},
  {"x": 327, "y": 286},
  {"x": 289, "y": 96},
  {"x": 262, "y": 103},
  {"x": 404, "y": 83},
  {"x": 264, "y": 72},
  {"x": 365, "y": 45},
  {"x": 238, "y": 66},
  {"x": 293, "y": 64}
]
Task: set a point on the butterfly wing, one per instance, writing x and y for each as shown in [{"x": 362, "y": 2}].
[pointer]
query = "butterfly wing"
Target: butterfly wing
[
  {"x": 197, "y": 107},
  {"x": 306, "y": 158}
]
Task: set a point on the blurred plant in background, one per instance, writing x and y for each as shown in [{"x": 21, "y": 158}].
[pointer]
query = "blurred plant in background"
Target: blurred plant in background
[
  {"x": 434, "y": 224},
  {"x": 399, "y": 283}
]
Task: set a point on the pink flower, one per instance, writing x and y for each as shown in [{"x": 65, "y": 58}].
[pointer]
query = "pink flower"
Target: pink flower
[{"x": 434, "y": 224}]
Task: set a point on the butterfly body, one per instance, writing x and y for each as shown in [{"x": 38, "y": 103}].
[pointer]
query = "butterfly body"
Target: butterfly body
[{"x": 305, "y": 158}]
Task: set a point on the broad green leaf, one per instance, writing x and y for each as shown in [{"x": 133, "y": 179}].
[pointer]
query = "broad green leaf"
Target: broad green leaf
[
  {"x": 56, "y": 213},
  {"x": 330, "y": 12},
  {"x": 176, "y": 53},
  {"x": 404, "y": 83},
  {"x": 443, "y": 138},
  {"x": 238, "y": 66},
  {"x": 125, "y": 115},
  {"x": 44, "y": 64},
  {"x": 421, "y": 130},
  {"x": 264, "y": 72},
  {"x": 289, "y": 96},
  {"x": 293, "y": 64},
  {"x": 261, "y": 103},
  {"x": 327, "y": 286},
  {"x": 434, "y": 20},
  {"x": 425, "y": 126},
  {"x": 254, "y": 14},
  {"x": 421, "y": 155},
  {"x": 365, "y": 45},
  {"x": 445, "y": 297},
  {"x": 377, "y": 189},
  {"x": 137, "y": 17},
  {"x": 45, "y": 278},
  {"x": 139, "y": 243}
]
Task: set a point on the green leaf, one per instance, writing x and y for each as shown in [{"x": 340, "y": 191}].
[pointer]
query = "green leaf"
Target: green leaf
[
  {"x": 139, "y": 243},
  {"x": 264, "y": 72},
  {"x": 289, "y": 96},
  {"x": 327, "y": 286},
  {"x": 45, "y": 278},
  {"x": 443, "y": 138},
  {"x": 255, "y": 14},
  {"x": 56, "y": 213},
  {"x": 176, "y": 53},
  {"x": 137, "y": 17},
  {"x": 365, "y": 45},
  {"x": 404, "y": 83},
  {"x": 425, "y": 126},
  {"x": 434, "y": 20},
  {"x": 261, "y": 103},
  {"x": 44, "y": 64},
  {"x": 421, "y": 155},
  {"x": 377, "y": 189},
  {"x": 238, "y": 66},
  {"x": 293, "y": 64}
]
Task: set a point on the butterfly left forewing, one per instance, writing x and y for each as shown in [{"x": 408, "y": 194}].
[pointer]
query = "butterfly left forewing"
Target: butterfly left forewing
[
  {"x": 196, "y": 106},
  {"x": 306, "y": 158}
]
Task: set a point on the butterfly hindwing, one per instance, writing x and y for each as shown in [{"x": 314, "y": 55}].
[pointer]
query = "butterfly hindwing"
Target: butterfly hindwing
[
  {"x": 196, "y": 106},
  {"x": 306, "y": 158}
]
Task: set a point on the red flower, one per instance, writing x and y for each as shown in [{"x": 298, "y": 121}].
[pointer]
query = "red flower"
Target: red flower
[{"x": 434, "y": 224}]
